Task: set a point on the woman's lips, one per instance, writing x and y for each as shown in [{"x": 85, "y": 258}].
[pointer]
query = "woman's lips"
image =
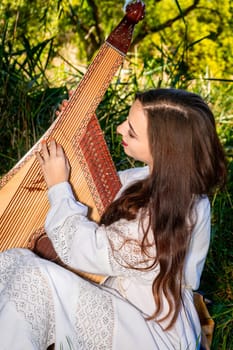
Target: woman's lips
[{"x": 123, "y": 143}]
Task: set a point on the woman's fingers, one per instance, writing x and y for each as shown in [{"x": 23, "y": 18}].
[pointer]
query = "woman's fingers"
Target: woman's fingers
[
  {"x": 39, "y": 158},
  {"x": 61, "y": 107},
  {"x": 54, "y": 163},
  {"x": 52, "y": 148},
  {"x": 64, "y": 103},
  {"x": 43, "y": 154},
  {"x": 70, "y": 93},
  {"x": 49, "y": 149},
  {"x": 44, "y": 150},
  {"x": 59, "y": 150}
]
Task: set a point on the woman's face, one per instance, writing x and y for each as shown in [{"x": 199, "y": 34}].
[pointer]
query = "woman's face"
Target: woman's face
[{"x": 135, "y": 136}]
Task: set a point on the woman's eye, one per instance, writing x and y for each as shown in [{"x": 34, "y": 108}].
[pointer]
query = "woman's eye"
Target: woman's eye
[{"x": 130, "y": 134}]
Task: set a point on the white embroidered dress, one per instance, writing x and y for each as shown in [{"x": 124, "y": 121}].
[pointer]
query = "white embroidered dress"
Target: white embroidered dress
[{"x": 42, "y": 303}]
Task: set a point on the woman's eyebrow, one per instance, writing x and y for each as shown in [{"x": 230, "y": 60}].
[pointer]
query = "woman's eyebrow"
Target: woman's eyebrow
[{"x": 132, "y": 129}]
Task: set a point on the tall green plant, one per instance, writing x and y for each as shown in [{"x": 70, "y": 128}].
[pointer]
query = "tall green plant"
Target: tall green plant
[{"x": 26, "y": 99}]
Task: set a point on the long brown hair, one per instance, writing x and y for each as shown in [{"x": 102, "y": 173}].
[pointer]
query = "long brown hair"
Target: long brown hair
[{"x": 188, "y": 162}]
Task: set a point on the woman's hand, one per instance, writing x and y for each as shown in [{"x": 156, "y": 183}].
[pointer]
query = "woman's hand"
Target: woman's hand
[
  {"x": 54, "y": 163},
  {"x": 63, "y": 105}
]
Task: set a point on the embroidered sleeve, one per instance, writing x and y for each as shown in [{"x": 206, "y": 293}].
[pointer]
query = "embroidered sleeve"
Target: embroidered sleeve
[
  {"x": 62, "y": 237},
  {"x": 81, "y": 244},
  {"x": 110, "y": 251},
  {"x": 84, "y": 245}
]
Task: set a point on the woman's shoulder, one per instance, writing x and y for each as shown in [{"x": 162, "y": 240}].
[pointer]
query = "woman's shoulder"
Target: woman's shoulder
[{"x": 133, "y": 174}]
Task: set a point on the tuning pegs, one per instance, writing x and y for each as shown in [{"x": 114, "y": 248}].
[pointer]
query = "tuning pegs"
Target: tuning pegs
[{"x": 135, "y": 11}]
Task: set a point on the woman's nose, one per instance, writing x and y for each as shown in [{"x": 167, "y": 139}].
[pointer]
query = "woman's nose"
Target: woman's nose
[{"x": 121, "y": 128}]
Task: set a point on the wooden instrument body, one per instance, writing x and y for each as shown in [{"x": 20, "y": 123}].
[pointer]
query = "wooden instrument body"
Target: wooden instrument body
[{"x": 23, "y": 193}]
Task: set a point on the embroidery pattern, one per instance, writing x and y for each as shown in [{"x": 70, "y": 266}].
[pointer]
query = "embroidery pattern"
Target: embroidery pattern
[
  {"x": 62, "y": 237},
  {"x": 94, "y": 318},
  {"x": 28, "y": 289},
  {"x": 124, "y": 255}
]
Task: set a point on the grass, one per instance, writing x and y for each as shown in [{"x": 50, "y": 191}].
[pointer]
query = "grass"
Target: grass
[{"x": 217, "y": 280}]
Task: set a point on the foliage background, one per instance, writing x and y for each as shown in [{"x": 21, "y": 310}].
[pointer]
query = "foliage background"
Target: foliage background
[{"x": 45, "y": 47}]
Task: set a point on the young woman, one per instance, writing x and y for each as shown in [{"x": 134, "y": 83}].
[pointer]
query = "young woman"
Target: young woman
[{"x": 151, "y": 242}]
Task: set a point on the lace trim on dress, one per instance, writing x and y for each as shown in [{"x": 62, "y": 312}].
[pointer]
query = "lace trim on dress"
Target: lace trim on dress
[
  {"x": 25, "y": 286},
  {"x": 62, "y": 237},
  {"x": 94, "y": 318},
  {"x": 125, "y": 253}
]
